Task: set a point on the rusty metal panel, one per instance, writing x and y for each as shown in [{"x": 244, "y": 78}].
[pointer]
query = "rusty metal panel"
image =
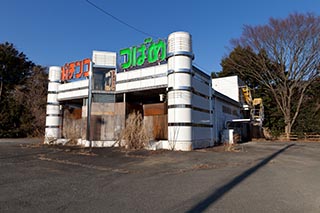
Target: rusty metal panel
[
  {"x": 155, "y": 109},
  {"x": 72, "y": 113},
  {"x": 157, "y": 126},
  {"x": 160, "y": 127}
]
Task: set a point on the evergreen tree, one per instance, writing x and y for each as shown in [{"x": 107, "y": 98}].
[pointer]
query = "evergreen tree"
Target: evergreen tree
[{"x": 23, "y": 89}]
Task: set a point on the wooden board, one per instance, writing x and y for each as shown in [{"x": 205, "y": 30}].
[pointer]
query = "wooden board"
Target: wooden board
[
  {"x": 155, "y": 109},
  {"x": 157, "y": 126}
]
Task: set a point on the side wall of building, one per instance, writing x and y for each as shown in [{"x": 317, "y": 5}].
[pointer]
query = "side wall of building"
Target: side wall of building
[
  {"x": 202, "y": 113},
  {"x": 224, "y": 110}
]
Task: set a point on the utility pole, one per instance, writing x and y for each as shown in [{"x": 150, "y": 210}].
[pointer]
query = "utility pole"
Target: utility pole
[{"x": 89, "y": 105}]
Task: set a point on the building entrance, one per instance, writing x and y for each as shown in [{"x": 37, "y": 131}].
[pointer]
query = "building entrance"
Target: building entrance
[{"x": 152, "y": 105}]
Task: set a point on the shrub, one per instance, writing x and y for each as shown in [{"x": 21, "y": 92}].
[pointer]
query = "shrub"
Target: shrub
[{"x": 134, "y": 134}]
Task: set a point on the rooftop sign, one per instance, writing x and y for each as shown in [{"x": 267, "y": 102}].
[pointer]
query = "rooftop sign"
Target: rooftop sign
[
  {"x": 75, "y": 70},
  {"x": 147, "y": 53}
]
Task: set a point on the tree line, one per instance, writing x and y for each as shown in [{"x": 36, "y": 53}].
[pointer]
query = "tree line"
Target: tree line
[
  {"x": 23, "y": 94},
  {"x": 280, "y": 61}
]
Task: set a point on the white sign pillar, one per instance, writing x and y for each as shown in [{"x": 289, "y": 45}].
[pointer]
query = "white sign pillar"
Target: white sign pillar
[
  {"x": 180, "y": 56},
  {"x": 53, "y": 115}
]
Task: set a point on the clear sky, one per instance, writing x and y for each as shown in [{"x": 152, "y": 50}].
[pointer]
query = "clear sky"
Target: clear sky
[{"x": 53, "y": 32}]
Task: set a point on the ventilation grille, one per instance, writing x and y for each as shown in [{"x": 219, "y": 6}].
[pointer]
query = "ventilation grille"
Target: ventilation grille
[{"x": 104, "y": 58}]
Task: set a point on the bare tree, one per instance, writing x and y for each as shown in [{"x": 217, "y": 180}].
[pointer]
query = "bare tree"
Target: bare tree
[
  {"x": 286, "y": 59},
  {"x": 30, "y": 98},
  {"x": 35, "y": 95}
]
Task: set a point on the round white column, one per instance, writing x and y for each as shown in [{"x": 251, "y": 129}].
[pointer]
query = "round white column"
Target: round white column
[
  {"x": 53, "y": 115},
  {"x": 180, "y": 56}
]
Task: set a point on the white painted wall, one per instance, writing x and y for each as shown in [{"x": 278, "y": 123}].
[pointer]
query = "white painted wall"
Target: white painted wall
[
  {"x": 221, "y": 117},
  {"x": 228, "y": 86},
  {"x": 144, "y": 78},
  {"x": 73, "y": 90}
]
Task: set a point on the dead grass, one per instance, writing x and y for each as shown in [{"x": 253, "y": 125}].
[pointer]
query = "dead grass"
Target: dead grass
[
  {"x": 72, "y": 142},
  {"x": 134, "y": 135}
]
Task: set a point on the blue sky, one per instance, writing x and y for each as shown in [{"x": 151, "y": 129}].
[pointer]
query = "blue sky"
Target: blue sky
[{"x": 53, "y": 32}]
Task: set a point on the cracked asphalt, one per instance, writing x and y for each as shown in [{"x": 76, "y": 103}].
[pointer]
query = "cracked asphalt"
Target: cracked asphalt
[{"x": 254, "y": 177}]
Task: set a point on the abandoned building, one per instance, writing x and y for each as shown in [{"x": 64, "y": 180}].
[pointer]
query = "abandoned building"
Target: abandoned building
[{"x": 182, "y": 107}]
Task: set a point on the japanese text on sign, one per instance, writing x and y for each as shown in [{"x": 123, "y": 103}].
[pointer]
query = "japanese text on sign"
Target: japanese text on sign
[
  {"x": 75, "y": 70},
  {"x": 136, "y": 56}
]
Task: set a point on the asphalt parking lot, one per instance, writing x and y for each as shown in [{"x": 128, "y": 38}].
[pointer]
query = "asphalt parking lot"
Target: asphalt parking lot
[{"x": 254, "y": 177}]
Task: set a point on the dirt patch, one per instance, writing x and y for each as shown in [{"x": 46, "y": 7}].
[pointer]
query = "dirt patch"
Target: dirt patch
[
  {"x": 67, "y": 162},
  {"x": 223, "y": 148}
]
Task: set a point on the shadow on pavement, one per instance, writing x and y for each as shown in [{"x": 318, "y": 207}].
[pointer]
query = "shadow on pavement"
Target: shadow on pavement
[{"x": 219, "y": 193}]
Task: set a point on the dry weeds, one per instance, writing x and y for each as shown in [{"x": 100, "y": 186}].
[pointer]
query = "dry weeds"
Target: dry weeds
[{"x": 134, "y": 134}]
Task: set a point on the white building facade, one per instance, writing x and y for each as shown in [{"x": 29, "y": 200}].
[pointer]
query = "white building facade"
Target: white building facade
[{"x": 181, "y": 105}]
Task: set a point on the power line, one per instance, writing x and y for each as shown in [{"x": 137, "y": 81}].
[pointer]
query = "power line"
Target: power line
[{"x": 119, "y": 20}]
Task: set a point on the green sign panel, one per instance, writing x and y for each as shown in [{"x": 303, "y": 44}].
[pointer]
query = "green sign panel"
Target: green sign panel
[{"x": 149, "y": 52}]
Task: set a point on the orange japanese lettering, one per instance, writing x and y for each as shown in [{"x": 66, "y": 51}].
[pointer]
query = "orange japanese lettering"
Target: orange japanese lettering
[
  {"x": 71, "y": 70},
  {"x": 86, "y": 67},
  {"x": 64, "y": 72},
  {"x": 79, "y": 66},
  {"x": 76, "y": 70}
]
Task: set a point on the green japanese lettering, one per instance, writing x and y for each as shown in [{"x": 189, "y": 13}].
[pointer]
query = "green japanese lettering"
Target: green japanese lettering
[
  {"x": 136, "y": 56},
  {"x": 157, "y": 51},
  {"x": 142, "y": 54},
  {"x": 127, "y": 57}
]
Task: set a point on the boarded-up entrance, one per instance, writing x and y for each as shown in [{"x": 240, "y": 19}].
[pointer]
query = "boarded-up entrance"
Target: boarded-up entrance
[
  {"x": 156, "y": 120},
  {"x": 107, "y": 121},
  {"x": 72, "y": 123}
]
